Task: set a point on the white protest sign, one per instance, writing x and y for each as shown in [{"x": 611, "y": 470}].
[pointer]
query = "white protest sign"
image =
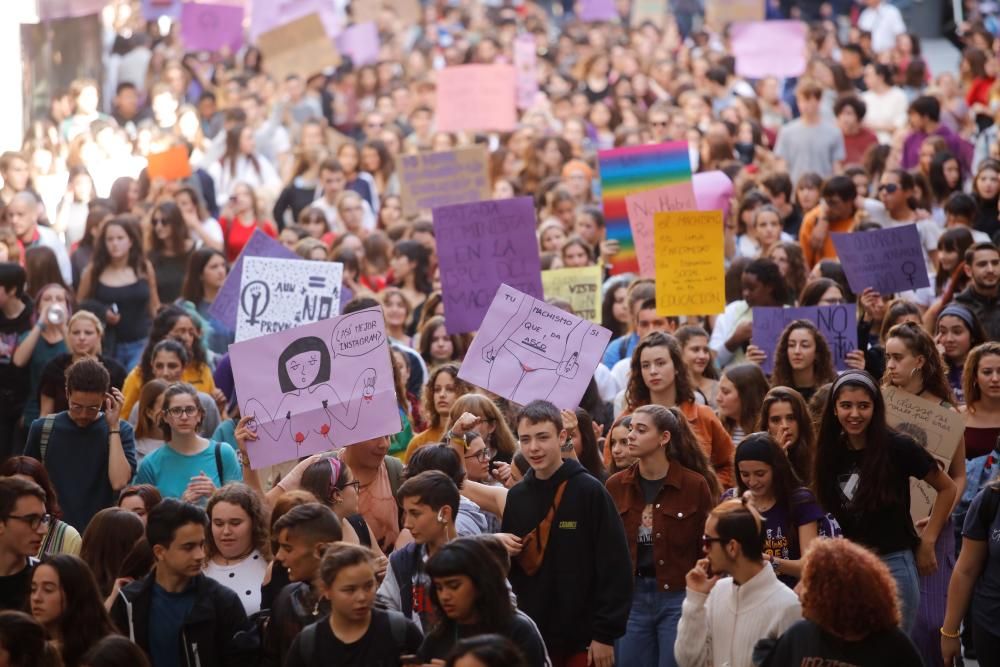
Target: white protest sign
[{"x": 278, "y": 294}]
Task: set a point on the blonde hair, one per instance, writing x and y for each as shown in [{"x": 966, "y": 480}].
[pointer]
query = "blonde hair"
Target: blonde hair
[{"x": 93, "y": 319}]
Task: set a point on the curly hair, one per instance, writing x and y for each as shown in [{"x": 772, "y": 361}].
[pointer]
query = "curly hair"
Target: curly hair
[
  {"x": 833, "y": 573},
  {"x": 970, "y": 385},
  {"x": 823, "y": 370},
  {"x": 920, "y": 344},
  {"x": 800, "y": 453},
  {"x": 427, "y": 395},
  {"x": 241, "y": 495},
  {"x": 637, "y": 393}
]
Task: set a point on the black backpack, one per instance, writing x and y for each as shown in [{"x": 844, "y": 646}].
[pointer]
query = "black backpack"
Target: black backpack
[{"x": 307, "y": 638}]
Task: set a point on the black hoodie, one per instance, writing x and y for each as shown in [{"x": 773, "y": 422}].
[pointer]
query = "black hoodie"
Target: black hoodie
[
  {"x": 13, "y": 380},
  {"x": 583, "y": 590}
]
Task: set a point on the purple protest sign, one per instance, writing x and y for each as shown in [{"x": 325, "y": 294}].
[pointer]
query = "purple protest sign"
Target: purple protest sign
[
  {"x": 527, "y": 350},
  {"x": 317, "y": 387},
  {"x": 227, "y": 301},
  {"x": 838, "y": 324},
  {"x": 361, "y": 43},
  {"x": 525, "y": 60},
  {"x": 598, "y": 10},
  {"x": 480, "y": 247},
  {"x": 211, "y": 27},
  {"x": 154, "y": 9},
  {"x": 888, "y": 260}
]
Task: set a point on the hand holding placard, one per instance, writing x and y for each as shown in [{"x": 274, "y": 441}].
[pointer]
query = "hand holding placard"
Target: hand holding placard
[{"x": 888, "y": 260}]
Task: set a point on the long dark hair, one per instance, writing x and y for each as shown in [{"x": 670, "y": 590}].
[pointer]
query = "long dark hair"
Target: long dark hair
[
  {"x": 102, "y": 259},
  {"x": 784, "y": 481},
  {"x": 689, "y": 331},
  {"x": 800, "y": 453},
  {"x": 179, "y": 235},
  {"x": 938, "y": 182},
  {"x": 823, "y": 370},
  {"x": 876, "y": 476},
  {"x": 23, "y": 638},
  {"x": 232, "y": 152},
  {"x": 751, "y": 386},
  {"x": 797, "y": 272},
  {"x": 33, "y": 468},
  {"x": 84, "y": 620},
  {"x": 417, "y": 254},
  {"x": 934, "y": 373},
  {"x": 471, "y": 558},
  {"x": 637, "y": 393},
  {"x": 590, "y": 454},
  {"x": 193, "y": 289},
  {"x": 683, "y": 447},
  {"x": 608, "y": 320},
  {"x": 163, "y": 323},
  {"x": 108, "y": 539}
]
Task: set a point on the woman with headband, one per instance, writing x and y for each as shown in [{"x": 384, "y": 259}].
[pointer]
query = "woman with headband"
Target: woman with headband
[
  {"x": 957, "y": 331},
  {"x": 862, "y": 477}
]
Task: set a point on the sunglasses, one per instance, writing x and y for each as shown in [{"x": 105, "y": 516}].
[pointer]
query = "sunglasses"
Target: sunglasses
[{"x": 888, "y": 188}]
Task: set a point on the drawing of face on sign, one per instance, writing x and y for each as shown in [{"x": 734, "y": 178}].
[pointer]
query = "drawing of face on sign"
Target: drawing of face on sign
[{"x": 304, "y": 363}]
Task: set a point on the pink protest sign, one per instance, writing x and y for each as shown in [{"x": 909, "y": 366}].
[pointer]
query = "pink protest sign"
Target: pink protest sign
[
  {"x": 361, "y": 43},
  {"x": 476, "y": 97},
  {"x": 642, "y": 206},
  {"x": 527, "y": 350},
  {"x": 211, "y": 27},
  {"x": 769, "y": 48},
  {"x": 525, "y": 63},
  {"x": 317, "y": 387},
  {"x": 598, "y": 10},
  {"x": 713, "y": 191}
]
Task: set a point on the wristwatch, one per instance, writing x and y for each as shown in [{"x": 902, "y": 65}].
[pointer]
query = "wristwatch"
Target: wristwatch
[{"x": 243, "y": 458}]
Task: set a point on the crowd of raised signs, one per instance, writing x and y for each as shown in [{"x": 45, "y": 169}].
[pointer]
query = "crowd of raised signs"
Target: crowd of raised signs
[{"x": 406, "y": 361}]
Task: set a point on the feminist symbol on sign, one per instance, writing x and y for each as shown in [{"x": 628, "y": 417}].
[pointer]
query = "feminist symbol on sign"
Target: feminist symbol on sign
[
  {"x": 909, "y": 269},
  {"x": 255, "y": 292}
]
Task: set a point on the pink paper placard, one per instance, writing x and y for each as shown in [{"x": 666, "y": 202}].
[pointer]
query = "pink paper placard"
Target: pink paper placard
[
  {"x": 769, "y": 48},
  {"x": 475, "y": 98},
  {"x": 361, "y": 43},
  {"x": 211, "y": 27},
  {"x": 642, "y": 206}
]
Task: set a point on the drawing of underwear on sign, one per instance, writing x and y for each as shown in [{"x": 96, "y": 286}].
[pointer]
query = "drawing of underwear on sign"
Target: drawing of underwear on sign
[
  {"x": 528, "y": 350},
  {"x": 278, "y": 294},
  {"x": 316, "y": 387}
]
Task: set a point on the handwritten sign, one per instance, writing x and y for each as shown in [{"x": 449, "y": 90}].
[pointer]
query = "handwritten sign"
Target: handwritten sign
[
  {"x": 642, "y": 206},
  {"x": 838, "y": 324},
  {"x": 690, "y": 276},
  {"x": 172, "y": 164},
  {"x": 889, "y": 260},
  {"x": 211, "y": 27},
  {"x": 316, "y": 387},
  {"x": 631, "y": 169},
  {"x": 719, "y": 13},
  {"x": 527, "y": 350},
  {"x": 278, "y": 294},
  {"x": 429, "y": 180},
  {"x": 598, "y": 10},
  {"x": 476, "y": 97},
  {"x": 360, "y": 42},
  {"x": 227, "y": 301},
  {"x": 937, "y": 429},
  {"x": 525, "y": 61},
  {"x": 301, "y": 47},
  {"x": 769, "y": 48},
  {"x": 580, "y": 286},
  {"x": 480, "y": 247}
]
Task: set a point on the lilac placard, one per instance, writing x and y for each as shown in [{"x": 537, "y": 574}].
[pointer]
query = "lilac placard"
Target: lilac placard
[
  {"x": 480, "y": 247},
  {"x": 227, "y": 301},
  {"x": 527, "y": 350},
  {"x": 713, "y": 191},
  {"x": 211, "y": 27},
  {"x": 888, "y": 260},
  {"x": 838, "y": 324},
  {"x": 361, "y": 43},
  {"x": 267, "y": 15},
  {"x": 154, "y": 9},
  {"x": 525, "y": 62},
  {"x": 769, "y": 48},
  {"x": 317, "y": 387},
  {"x": 598, "y": 10}
]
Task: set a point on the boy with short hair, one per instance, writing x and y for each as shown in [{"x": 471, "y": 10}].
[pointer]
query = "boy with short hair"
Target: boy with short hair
[
  {"x": 960, "y": 211},
  {"x": 176, "y": 614},
  {"x": 430, "y": 504},
  {"x": 303, "y": 534},
  {"x": 23, "y": 524},
  {"x": 810, "y": 142},
  {"x": 575, "y": 578}
]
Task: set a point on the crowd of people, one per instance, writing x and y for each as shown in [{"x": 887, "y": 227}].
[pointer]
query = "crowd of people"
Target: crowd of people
[{"x": 694, "y": 511}]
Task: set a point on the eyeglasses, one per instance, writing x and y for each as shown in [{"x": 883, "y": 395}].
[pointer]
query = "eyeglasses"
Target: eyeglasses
[
  {"x": 707, "y": 541},
  {"x": 356, "y": 484},
  {"x": 888, "y": 188},
  {"x": 483, "y": 455},
  {"x": 159, "y": 221},
  {"x": 86, "y": 409},
  {"x": 659, "y": 123},
  {"x": 182, "y": 410},
  {"x": 34, "y": 520}
]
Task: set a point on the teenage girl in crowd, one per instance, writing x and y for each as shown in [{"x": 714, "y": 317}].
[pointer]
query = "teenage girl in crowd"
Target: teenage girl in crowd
[
  {"x": 698, "y": 357},
  {"x": 981, "y": 385},
  {"x": 741, "y": 392},
  {"x": 957, "y": 331},
  {"x": 785, "y": 415}
]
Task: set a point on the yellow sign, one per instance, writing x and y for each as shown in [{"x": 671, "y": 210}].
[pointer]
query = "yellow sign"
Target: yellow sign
[
  {"x": 690, "y": 270},
  {"x": 581, "y": 287}
]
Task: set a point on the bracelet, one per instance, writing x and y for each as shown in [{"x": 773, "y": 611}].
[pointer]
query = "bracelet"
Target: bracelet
[
  {"x": 113, "y": 432},
  {"x": 949, "y": 635}
]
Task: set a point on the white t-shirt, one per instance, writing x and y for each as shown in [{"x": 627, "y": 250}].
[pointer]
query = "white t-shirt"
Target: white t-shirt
[
  {"x": 243, "y": 578},
  {"x": 885, "y": 23}
]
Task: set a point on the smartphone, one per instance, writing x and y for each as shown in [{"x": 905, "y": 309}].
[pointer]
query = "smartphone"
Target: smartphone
[
  {"x": 114, "y": 308},
  {"x": 409, "y": 659}
]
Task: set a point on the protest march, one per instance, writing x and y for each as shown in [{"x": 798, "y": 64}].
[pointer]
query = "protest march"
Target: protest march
[{"x": 500, "y": 333}]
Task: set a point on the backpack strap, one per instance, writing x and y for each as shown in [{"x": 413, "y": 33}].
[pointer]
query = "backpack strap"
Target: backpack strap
[
  {"x": 218, "y": 464},
  {"x": 47, "y": 426},
  {"x": 307, "y": 643},
  {"x": 988, "y": 510},
  {"x": 397, "y": 628}
]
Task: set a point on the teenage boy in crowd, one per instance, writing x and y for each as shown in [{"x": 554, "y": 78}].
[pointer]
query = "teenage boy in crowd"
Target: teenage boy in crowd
[
  {"x": 303, "y": 533},
  {"x": 176, "y": 614},
  {"x": 574, "y": 576},
  {"x": 723, "y": 618},
  {"x": 88, "y": 450},
  {"x": 982, "y": 265},
  {"x": 15, "y": 319},
  {"x": 430, "y": 504},
  {"x": 23, "y": 524}
]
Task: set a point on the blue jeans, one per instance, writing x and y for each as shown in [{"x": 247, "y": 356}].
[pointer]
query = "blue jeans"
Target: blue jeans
[
  {"x": 903, "y": 567},
  {"x": 129, "y": 354},
  {"x": 652, "y": 626}
]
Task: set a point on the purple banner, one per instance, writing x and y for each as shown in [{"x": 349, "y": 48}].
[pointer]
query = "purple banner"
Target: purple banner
[
  {"x": 211, "y": 27},
  {"x": 838, "y": 324},
  {"x": 888, "y": 260}
]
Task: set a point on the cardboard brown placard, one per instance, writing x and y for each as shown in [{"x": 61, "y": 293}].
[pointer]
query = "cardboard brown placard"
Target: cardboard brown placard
[
  {"x": 458, "y": 176},
  {"x": 409, "y": 11},
  {"x": 301, "y": 47},
  {"x": 719, "y": 13}
]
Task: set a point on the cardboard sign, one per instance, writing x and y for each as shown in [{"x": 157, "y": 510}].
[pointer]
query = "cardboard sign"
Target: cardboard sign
[
  {"x": 936, "y": 428},
  {"x": 769, "y": 48},
  {"x": 525, "y": 62},
  {"x": 642, "y": 206},
  {"x": 211, "y": 27},
  {"x": 690, "y": 258},
  {"x": 631, "y": 169},
  {"x": 838, "y": 324},
  {"x": 49, "y": 10},
  {"x": 280, "y": 294},
  {"x": 889, "y": 260},
  {"x": 476, "y": 98},
  {"x": 268, "y": 15},
  {"x": 480, "y": 247},
  {"x": 227, "y": 301},
  {"x": 428, "y": 180},
  {"x": 360, "y": 42},
  {"x": 301, "y": 47},
  {"x": 598, "y": 10},
  {"x": 652, "y": 11},
  {"x": 528, "y": 350},
  {"x": 580, "y": 286},
  {"x": 720, "y": 13},
  {"x": 316, "y": 387},
  {"x": 408, "y": 11},
  {"x": 172, "y": 164}
]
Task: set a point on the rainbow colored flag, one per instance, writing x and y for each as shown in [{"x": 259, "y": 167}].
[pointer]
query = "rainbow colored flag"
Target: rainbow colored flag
[{"x": 632, "y": 169}]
